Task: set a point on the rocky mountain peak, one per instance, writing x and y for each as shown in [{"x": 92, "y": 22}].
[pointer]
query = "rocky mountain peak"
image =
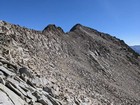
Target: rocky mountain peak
[
  {"x": 53, "y": 28},
  {"x": 75, "y": 27},
  {"x": 81, "y": 67}
]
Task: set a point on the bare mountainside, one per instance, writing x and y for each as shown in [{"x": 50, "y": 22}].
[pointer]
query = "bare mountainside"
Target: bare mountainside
[
  {"x": 136, "y": 48},
  {"x": 80, "y": 67}
]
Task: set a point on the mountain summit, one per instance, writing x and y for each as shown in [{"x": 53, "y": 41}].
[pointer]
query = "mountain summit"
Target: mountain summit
[
  {"x": 53, "y": 28},
  {"x": 77, "y": 26},
  {"x": 80, "y": 67}
]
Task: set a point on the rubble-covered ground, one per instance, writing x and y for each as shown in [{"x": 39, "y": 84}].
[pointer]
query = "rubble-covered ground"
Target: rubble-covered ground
[{"x": 79, "y": 67}]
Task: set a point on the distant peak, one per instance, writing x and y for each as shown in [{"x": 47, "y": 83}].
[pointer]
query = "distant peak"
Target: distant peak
[
  {"x": 77, "y": 26},
  {"x": 53, "y": 28}
]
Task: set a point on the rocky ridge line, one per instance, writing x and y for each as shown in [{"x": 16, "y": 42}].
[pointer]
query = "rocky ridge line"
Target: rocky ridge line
[{"x": 80, "y": 67}]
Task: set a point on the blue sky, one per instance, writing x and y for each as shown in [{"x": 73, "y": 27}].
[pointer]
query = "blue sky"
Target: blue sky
[{"x": 120, "y": 18}]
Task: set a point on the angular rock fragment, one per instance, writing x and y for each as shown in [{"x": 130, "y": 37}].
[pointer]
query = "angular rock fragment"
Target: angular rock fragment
[
  {"x": 15, "y": 99},
  {"x": 6, "y": 72},
  {"x": 4, "y": 99},
  {"x": 2, "y": 80}
]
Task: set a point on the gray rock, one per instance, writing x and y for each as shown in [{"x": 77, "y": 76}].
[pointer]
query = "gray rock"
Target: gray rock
[
  {"x": 27, "y": 87},
  {"x": 1, "y": 64},
  {"x": 45, "y": 101},
  {"x": 2, "y": 80},
  {"x": 33, "y": 98},
  {"x": 36, "y": 103},
  {"x": 36, "y": 94},
  {"x": 1, "y": 73},
  {"x": 48, "y": 90},
  {"x": 6, "y": 72},
  {"x": 14, "y": 85},
  {"x": 24, "y": 71},
  {"x": 4, "y": 99},
  {"x": 14, "y": 89},
  {"x": 5, "y": 62},
  {"x": 28, "y": 100},
  {"x": 53, "y": 101},
  {"x": 15, "y": 99}
]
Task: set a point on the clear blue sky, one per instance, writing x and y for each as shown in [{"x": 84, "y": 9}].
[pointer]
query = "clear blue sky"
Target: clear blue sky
[{"x": 120, "y": 18}]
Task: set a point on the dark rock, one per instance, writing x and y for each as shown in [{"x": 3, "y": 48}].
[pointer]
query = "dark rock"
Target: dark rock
[
  {"x": 2, "y": 80},
  {"x": 48, "y": 90},
  {"x": 25, "y": 71},
  {"x": 77, "y": 26},
  {"x": 53, "y": 28}
]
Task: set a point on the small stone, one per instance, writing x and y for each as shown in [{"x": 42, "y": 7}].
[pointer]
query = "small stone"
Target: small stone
[
  {"x": 2, "y": 80},
  {"x": 27, "y": 100},
  {"x": 1, "y": 73},
  {"x": 48, "y": 90},
  {"x": 25, "y": 71},
  {"x": 33, "y": 98},
  {"x": 1, "y": 64},
  {"x": 36, "y": 103},
  {"x": 44, "y": 101}
]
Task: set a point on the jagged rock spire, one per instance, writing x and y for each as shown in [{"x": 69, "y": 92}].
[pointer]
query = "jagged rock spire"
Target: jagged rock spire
[
  {"x": 53, "y": 28},
  {"x": 77, "y": 26}
]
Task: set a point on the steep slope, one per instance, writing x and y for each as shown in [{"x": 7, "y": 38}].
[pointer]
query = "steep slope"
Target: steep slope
[
  {"x": 80, "y": 67},
  {"x": 136, "y": 48}
]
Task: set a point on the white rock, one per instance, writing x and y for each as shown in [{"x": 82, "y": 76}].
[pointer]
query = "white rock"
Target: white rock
[
  {"x": 37, "y": 103},
  {"x": 6, "y": 71},
  {"x": 12, "y": 96},
  {"x": 4, "y": 99}
]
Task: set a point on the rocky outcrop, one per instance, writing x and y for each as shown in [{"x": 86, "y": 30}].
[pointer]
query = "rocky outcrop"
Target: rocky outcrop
[
  {"x": 80, "y": 67},
  {"x": 16, "y": 91}
]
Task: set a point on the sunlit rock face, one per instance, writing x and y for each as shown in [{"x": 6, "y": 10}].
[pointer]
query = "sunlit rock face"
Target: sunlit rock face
[{"x": 80, "y": 67}]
